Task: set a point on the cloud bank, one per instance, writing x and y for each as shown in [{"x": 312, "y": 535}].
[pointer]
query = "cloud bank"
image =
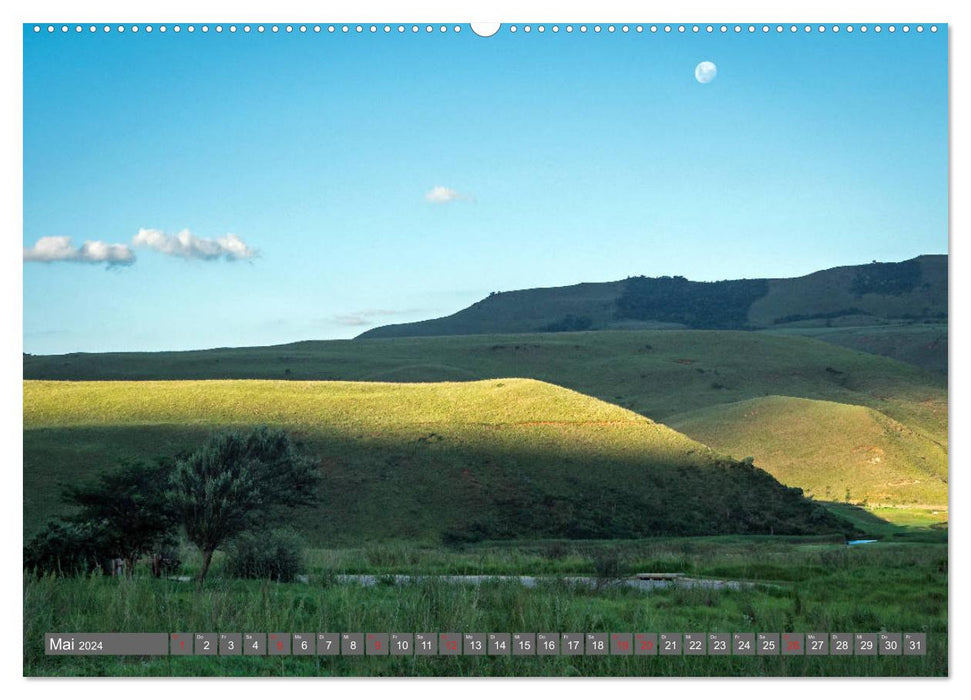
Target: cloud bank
[
  {"x": 443, "y": 195},
  {"x": 367, "y": 316},
  {"x": 50, "y": 249},
  {"x": 187, "y": 245}
]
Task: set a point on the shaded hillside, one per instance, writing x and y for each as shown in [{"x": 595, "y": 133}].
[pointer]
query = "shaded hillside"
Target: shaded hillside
[
  {"x": 833, "y": 451},
  {"x": 482, "y": 460},
  {"x": 921, "y": 344},
  {"x": 577, "y": 307}
]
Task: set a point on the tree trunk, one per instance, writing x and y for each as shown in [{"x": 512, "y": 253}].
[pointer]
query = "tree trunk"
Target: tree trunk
[
  {"x": 130, "y": 565},
  {"x": 206, "y": 561}
]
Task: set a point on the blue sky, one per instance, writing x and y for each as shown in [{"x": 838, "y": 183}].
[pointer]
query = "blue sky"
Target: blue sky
[{"x": 565, "y": 158}]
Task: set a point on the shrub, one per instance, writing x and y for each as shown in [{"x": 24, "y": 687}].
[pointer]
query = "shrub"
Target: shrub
[
  {"x": 456, "y": 538},
  {"x": 556, "y": 550},
  {"x": 276, "y": 555},
  {"x": 569, "y": 323},
  {"x": 67, "y": 549},
  {"x": 609, "y": 565}
]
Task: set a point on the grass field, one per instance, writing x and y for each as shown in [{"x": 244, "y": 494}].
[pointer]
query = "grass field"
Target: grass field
[
  {"x": 921, "y": 344},
  {"x": 803, "y": 584},
  {"x": 866, "y": 456},
  {"x": 673, "y": 377},
  {"x": 655, "y": 373},
  {"x": 500, "y": 458}
]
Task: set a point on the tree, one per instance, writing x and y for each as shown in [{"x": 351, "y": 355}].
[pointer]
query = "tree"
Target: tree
[
  {"x": 66, "y": 549},
  {"x": 130, "y": 507},
  {"x": 237, "y": 482}
]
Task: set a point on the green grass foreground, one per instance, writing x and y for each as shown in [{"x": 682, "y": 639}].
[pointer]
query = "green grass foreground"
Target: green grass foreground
[{"x": 805, "y": 585}]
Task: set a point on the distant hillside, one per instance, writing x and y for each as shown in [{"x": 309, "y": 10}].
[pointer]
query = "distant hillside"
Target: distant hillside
[
  {"x": 860, "y": 295},
  {"x": 473, "y": 460},
  {"x": 833, "y": 451},
  {"x": 921, "y": 344}
]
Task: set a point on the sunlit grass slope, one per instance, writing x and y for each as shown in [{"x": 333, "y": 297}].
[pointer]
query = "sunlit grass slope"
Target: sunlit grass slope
[
  {"x": 655, "y": 373},
  {"x": 833, "y": 451},
  {"x": 488, "y": 459}
]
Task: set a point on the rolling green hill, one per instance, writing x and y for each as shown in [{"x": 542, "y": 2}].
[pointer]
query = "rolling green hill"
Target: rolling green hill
[
  {"x": 833, "y": 451},
  {"x": 663, "y": 375},
  {"x": 490, "y": 459},
  {"x": 887, "y": 295},
  {"x": 921, "y": 344},
  {"x": 655, "y": 373}
]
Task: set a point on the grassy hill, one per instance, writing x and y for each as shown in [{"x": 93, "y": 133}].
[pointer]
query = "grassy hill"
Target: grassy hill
[
  {"x": 472, "y": 460},
  {"x": 890, "y": 296},
  {"x": 913, "y": 289},
  {"x": 655, "y": 373},
  {"x": 663, "y": 375},
  {"x": 920, "y": 344},
  {"x": 592, "y": 305},
  {"x": 833, "y": 451}
]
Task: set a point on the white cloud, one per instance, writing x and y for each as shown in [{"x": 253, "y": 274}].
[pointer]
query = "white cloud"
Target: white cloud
[
  {"x": 351, "y": 320},
  {"x": 366, "y": 317},
  {"x": 187, "y": 245},
  {"x": 60, "y": 249},
  {"x": 442, "y": 195}
]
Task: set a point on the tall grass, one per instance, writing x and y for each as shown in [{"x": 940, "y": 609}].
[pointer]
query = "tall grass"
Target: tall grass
[{"x": 893, "y": 588}]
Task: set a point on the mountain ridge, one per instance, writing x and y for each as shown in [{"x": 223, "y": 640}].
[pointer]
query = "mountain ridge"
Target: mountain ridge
[{"x": 860, "y": 295}]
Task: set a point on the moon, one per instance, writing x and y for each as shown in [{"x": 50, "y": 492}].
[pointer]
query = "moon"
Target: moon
[{"x": 705, "y": 72}]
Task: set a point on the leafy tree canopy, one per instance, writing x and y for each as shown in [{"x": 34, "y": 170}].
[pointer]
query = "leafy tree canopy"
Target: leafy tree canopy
[{"x": 237, "y": 482}]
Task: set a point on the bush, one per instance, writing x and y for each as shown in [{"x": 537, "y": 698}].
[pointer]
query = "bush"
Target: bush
[
  {"x": 67, "y": 549},
  {"x": 556, "y": 550},
  {"x": 609, "y": 565},
  {"x": 456, "y": 537},
  {"x": 275, "y": 555}
]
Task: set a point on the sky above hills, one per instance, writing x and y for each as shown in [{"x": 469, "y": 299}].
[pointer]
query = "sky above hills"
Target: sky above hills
[{"x": 200, "y": 190}]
